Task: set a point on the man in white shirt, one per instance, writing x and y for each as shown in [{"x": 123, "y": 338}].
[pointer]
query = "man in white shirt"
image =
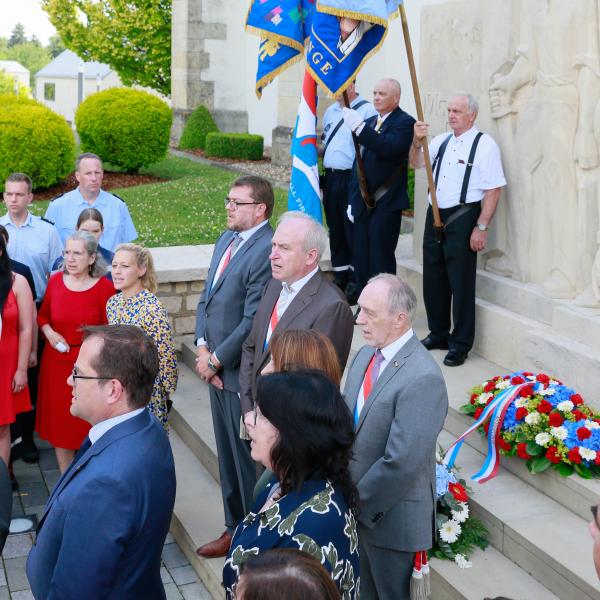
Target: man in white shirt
[
  {"x": 105, "y": 523},
  {"x": 397, "y": 394},
  {"x": 468, "y": 178}
]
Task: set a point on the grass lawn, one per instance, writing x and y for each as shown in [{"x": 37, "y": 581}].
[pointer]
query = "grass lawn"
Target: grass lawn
[{"x": 188, "y": 209}]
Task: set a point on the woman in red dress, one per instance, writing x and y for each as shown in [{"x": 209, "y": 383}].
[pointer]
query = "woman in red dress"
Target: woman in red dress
[
  {"x": 16, "y": 327},
  {"x": 76, "y": 296}
]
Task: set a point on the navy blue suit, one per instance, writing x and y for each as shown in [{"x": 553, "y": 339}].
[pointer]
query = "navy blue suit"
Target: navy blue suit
[
  {"x": 376, "y": 232},
  {"x": 105, "y": 523}
]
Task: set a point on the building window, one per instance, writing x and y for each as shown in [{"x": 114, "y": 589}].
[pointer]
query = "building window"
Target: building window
[{"x": 49, "y": 91}]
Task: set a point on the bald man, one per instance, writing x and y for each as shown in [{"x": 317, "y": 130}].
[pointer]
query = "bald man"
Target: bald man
[{"x": 385, "y": 139}]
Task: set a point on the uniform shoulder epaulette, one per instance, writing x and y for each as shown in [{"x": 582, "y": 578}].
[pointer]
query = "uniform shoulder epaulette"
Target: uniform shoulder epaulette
[
  {"x": 47, "y": 220},
  {"x": 57, "y": 197},
  {"x": 117, "y": 196}
]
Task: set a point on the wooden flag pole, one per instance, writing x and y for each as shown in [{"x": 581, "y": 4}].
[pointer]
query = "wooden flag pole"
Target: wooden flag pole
[
  {"x": 437, "y": 221},
  {"x": 360, "y": 168}
]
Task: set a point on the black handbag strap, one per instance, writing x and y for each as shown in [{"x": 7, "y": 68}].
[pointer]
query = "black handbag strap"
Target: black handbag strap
[
  {"x": 465, "y": 185},
  {"x": 339, "y": 124}
]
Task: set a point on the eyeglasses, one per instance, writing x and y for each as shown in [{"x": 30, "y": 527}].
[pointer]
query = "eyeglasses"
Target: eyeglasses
[
  {"x": 594, "y": 510},
  {"x": 227, "y": 201},
  {"x": 75, "y": 375}
]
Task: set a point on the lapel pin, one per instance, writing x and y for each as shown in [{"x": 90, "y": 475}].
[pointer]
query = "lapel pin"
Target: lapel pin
[{"x": 396, "y": 363}]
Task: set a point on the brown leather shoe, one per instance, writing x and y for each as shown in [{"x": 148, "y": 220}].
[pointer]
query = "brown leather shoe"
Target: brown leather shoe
[{"x": 216, "y": 548}]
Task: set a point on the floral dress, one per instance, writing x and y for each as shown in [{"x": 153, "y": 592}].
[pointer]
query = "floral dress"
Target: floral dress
[
  {"x": 315, "y": 520},
  {"x": 147, "y": 312}
]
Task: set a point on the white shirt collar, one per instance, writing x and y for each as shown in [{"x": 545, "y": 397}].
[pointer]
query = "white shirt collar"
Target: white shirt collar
[
  {"x": 463, "y": 137},
  {"x": 248, "y": 233},
  {"x": 392, "y": 349},
  {"x": 99, "y": 429},
  {"x": 298, "y": 285}
]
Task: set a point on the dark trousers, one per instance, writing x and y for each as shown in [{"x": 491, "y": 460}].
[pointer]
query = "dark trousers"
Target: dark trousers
[
  {"x": 237, "y": 470},
  {"x": 335, "y": 203},
  {"x": 375, "y": 240},
  {"x": 449, "y": 270}
]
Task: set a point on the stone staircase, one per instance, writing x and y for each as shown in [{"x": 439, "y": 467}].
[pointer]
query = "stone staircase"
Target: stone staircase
[{"x": 540, "y": 547}]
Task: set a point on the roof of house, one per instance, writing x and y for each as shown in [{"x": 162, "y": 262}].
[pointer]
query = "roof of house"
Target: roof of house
[
  {"x": 66, "y": 65},
  {"x": 12, "y": 66}
]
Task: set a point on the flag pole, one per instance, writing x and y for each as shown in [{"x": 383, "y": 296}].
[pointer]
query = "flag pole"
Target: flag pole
[
  {"x": 360, "y": 167},
  {"x": 437, "y": 221}
]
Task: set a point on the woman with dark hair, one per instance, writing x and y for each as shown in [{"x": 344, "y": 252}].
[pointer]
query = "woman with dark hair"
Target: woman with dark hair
[
  {"x": 75, "y": 296},
  {"x": 285, "y": 573},
  {"x": 301, "y": 430},
  {"x": 16, "y": 328}
]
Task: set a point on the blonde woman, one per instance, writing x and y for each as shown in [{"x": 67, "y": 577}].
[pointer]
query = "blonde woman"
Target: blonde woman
[{"x": 134, "y": 277}]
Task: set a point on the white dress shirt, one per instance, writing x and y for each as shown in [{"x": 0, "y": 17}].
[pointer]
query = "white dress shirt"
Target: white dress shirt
[{"x": 99, "y": 429}]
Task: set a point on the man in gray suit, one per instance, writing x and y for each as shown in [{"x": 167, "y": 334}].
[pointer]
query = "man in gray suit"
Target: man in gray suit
[
  {"x": 398, "y": 397},
  {"x": 238, "y": 272},
  {"x": 298, "y": 297}
]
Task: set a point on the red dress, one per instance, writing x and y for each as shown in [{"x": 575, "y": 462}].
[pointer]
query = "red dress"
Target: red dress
[
  {"x": 10, "y": 404},
  {"x": 66, "y": 312}
]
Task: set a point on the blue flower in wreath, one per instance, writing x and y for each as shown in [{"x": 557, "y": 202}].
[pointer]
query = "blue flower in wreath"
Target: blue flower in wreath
[{"x": 442, "y": 478}]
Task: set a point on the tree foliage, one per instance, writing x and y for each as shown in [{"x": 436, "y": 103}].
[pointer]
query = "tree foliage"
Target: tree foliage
[
  {"x": 132, "y": 36},
  {"x": 7, "y": 85},
  {"x": 17, "y": 36},
  {"x": 55, "y": 45}
]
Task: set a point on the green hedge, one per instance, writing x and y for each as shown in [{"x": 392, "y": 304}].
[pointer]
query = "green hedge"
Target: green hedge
[
  {"x": 34, "y": 140},
  {"x": 235, "y": 145},
  {"x": 127, "y": 128},
  {"x": 198, "y": 126}
]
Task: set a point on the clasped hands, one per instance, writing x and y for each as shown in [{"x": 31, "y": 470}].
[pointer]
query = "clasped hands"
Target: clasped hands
[{"x": 204, "y": 371}]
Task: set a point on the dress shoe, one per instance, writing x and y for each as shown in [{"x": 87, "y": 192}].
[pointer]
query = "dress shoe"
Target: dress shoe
[
  {"x": 216, "y": 548},
  {"x": 28, "y": 450},
  {"x": 454, "y": 358},
  {"x": 431, "y": 344}
]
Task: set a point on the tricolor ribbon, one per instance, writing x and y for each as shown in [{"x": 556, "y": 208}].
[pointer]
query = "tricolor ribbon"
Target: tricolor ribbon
[{"x": 497, "y": 409}]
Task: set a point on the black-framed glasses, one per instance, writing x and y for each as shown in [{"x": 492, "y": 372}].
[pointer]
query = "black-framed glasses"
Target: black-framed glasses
[
  {"x": 75, "y": 375},
  {"x": 227, "y": 201},
  {"x": 594, "y": 510}
]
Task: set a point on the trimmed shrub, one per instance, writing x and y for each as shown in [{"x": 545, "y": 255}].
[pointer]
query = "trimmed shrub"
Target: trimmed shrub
[
  {"x": 199, "y": 124},
  {"x": 235, "y": 145},
  {"x": 34, "y": 140},
  {"x": 127, "y": 128}
]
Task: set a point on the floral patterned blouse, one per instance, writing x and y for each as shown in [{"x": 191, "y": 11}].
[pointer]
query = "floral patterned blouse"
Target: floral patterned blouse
[
  {"x": 147, "y": 312},
  {"x": 315, "y": 520}
]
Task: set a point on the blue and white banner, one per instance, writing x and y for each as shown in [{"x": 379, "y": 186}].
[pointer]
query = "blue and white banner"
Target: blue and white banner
[{"x": 343, "y": 35}]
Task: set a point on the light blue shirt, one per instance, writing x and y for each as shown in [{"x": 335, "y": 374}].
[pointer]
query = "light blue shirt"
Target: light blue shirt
[
  {"x": 99, "y": 429},
  {"x": 35, "y": 243},
  {"x": 118, "y": 226},
  {"x": 340, "y": 152}
]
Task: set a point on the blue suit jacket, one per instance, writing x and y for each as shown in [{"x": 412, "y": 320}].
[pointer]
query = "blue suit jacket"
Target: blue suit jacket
[{"x": 105, "y": 523}]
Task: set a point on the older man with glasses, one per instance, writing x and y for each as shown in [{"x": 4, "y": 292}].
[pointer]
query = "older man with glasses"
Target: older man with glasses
[{"x": 238, "y": 273}]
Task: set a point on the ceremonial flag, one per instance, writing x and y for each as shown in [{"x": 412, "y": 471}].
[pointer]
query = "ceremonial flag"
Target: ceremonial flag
[
  {"x": 303, "y": 194},
  {"x": 283, "y": 26},
  {"x": 343, "y": 35}
]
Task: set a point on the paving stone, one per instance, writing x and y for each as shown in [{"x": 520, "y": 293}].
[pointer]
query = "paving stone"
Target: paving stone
[
  {"x": 15, "y": 574},
  {"x": 172, "y": 592},
  {"x": 165, "y": 575},
  {"x": 4, "y": 595},
  {"x": 33, "y": 494},
  {"x": 17, "y": 508},
  {"x": 48, "y": 459},
  {"x": 23, "y": 595},
  {"x": 17, "y": 545},
  {"x": 195, "y": 591},
  {"x": 184, "y": 575},
  {"x": 29, "y": 476},
  {"x": 3, "y": 582},
  {"x": 169, "y": 539},
  {"x": 51, "y": 477},
  {"x": 173, "y": 557}
]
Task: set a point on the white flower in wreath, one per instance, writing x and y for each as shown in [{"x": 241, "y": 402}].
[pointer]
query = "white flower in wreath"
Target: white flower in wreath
[
  {"x": 450, "y": 531},
  {"x": 531, "y": 377},
  {"x": 553, "y": 382},
  {"x": 460, "y": 516},
  {"x": 503, "y": 384},
  {"x": 533, "y": 418},
  {"x": 521, "y": 402},
  {"x": 592, "y": 424},
  {"x": 462, "y": 562},
  {"x": 483, "y": 398},
  {"x": 543, "y": 439},
  {"x": 560, "y": 433},
  {"x": 565, "y": 406},
  {"x": 586, "y": 453},
  {"x": 546, "y": 391}
]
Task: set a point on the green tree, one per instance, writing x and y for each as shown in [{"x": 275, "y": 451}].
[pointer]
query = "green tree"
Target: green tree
[
  {"x": 55, "y": 46},
  {"x": 132, "y": 36},
  {"x": 17, "y": 36},
  {"x": 7, "y": 85},
  {"x": 30, "y": 55}
]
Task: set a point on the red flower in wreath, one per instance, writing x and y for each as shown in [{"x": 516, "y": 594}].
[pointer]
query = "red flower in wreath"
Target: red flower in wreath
[
  {"x": 486, "y": 428},
  {"x": 555, "y": 419},
  {"x": 544, "y": 407},
  {"x": 504, "y": 445},
  {"x": 574, "y": 455},
  {"x": 458, "y": 491},
  {"x": 576, "y": 399},
  {"x": 522, "y": 451},
  {"x": 477, "y": 412},
  {"x": 473, "y": 398},
  {"x": 516, "y": 380},
  {"x": 579, "y": 416},
  {"x": 526, "y": 391},
  {"x": 552, "y": 455},
  {"x": 490, "y": 386},
  {"x": 597, "y": 459},
  {"x": 521, "y": 413},
  {"x": 543, "y": 378},
  {"x": 583, "y": 433}
]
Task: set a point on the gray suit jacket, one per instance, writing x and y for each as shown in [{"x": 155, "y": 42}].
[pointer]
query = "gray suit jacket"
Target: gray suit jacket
[
  {"x": 394, "y": 451},
  {"x": 319, "y": 305},
  {"x": 225, "y": 312}
]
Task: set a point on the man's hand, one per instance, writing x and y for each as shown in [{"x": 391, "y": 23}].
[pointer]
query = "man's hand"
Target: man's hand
[
  {"x": 352, "y": 118},
  {"x": 478, "y": 240},
  {"x": 421, "y": 131},
  {"x": 202, "y": 368},
  {"x": 216, "y": 381}
]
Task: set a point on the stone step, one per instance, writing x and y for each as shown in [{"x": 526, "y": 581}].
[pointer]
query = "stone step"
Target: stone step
[
  {"x": 198, "y": 514},
  {"x": 540, "y": 535}
]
